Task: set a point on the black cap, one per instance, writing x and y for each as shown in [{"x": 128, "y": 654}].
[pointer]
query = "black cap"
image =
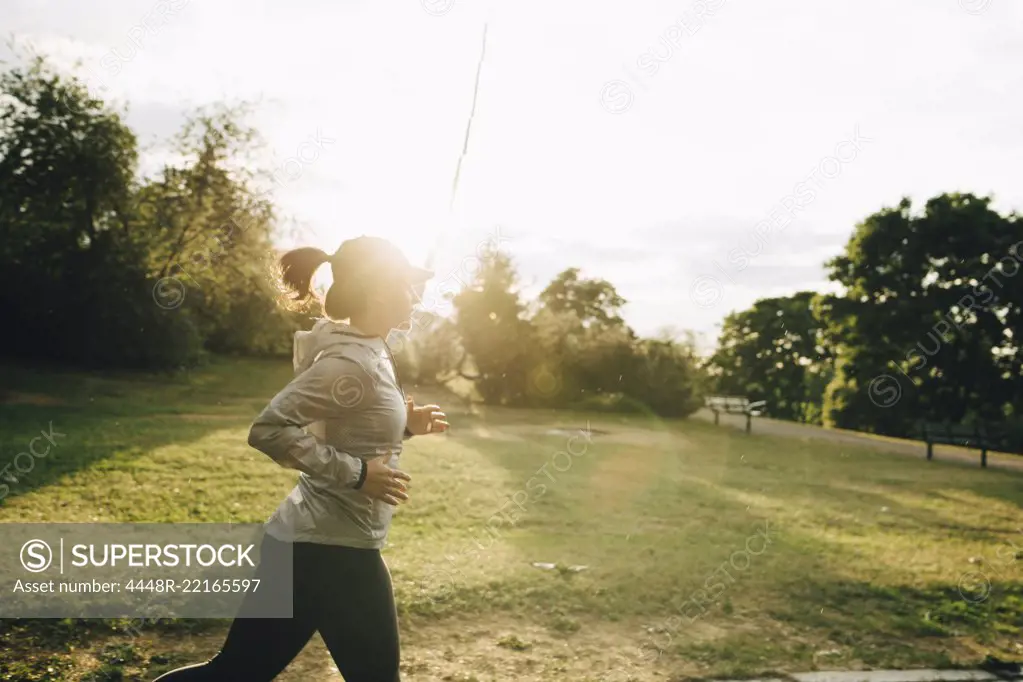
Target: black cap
[{"x": 365, "y": 256}]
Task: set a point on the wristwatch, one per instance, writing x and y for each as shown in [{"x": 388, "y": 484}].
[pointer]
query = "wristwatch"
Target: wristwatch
[{"x": 362, "y": 474}]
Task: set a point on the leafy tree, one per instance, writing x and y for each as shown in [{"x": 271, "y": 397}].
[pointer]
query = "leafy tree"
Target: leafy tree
[
  {"x": 212, "y": 238},
  {"x": 585, "y": 345},
  {"x": 930, "y": 321},
  {"x": 66, "y": 161},
  {"x": 73, "y": 283},
  {"x": 667, "y": 377},
  {"x": 574, "y": 351},
  {"x": 495, "y": 337},
  {"x": 594, "y": 301},
  {"x": 774, "y": 352},
  {"x": 101, "y": 267}
]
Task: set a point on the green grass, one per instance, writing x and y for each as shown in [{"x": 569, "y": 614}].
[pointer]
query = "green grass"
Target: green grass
[{"x": 867, "y": 561}]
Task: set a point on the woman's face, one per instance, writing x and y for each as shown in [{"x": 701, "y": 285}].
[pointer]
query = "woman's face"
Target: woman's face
[{"x": 396, "y": 302}]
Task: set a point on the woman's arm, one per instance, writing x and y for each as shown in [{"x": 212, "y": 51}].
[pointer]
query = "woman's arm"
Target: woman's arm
[{"x": 332, "y": 385}]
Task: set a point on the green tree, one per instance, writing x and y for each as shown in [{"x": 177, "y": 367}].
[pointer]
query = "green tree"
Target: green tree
[
  {"x": 929, "y": 323},
  {"x": 773, "y": 351},
  {"x": 575, "y": 351},
  {"x": 146, "y": 271},
  {"x": 585, "y": 347},
  {"x": 594, "y": 301},
  {"x": 666, "y": 377},
  {"x": 73, "y": 282},
  {"x": 495, "y": 337},
  {"x": 211, "y": 237},
  {"x": 67, "y": 161}
]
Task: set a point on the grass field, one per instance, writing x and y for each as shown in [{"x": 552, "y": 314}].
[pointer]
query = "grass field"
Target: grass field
[{"x": 808, "y": 556}]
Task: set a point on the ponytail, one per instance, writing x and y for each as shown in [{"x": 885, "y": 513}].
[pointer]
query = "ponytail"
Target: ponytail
[{"x": 297, "y": 268}]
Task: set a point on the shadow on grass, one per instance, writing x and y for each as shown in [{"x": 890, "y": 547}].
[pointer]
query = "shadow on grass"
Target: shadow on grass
[
  {"x": 779, "y": 608},
  {"x": 808, "y": 471},
  {"x": 653, "y": 523},
  {"x": 786, "y": 606},
  {"x": 121, "y": 415},
  {"x": 113, "y": 415},
  {"x": 88, "y": 438}
]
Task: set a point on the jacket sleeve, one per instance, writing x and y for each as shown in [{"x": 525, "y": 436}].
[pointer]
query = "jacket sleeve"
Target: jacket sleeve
[{"x": 331, "y": 387}]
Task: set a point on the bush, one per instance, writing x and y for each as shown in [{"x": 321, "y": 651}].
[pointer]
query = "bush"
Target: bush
[
  {"x": 102, "y": 311},
  {"x": 1013, "y": 430}
]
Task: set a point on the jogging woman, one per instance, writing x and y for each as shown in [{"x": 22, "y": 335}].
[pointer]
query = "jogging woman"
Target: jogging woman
[{"x": 341, "y": 422}]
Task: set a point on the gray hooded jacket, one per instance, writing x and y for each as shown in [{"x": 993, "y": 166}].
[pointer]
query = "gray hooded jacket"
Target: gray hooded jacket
[{"x": 344, "y": 405}]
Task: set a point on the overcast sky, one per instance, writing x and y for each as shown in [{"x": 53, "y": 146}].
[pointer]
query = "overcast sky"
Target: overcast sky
[{"x": 641, "y": 141}]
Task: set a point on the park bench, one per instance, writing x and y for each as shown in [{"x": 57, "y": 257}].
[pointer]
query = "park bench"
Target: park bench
[
  {"x": 735, "y": 405},
  {"x": 978, "y": 435}
]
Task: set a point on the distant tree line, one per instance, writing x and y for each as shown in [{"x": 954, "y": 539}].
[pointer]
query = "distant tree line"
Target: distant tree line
[
  {"x": 569, "y": 348},
  {"x": 101, "y": 267},
  {"x": 928, "y": 327}
]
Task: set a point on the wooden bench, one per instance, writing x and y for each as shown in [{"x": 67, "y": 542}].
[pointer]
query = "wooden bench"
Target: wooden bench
[
  {"x": 977, "y": 435},
  {"x": 732, "y": 404}
]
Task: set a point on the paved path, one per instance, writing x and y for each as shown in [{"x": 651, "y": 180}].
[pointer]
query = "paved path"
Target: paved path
[
  {"x": 889, "y": 676},
  {"x": 910, "y": 448}
]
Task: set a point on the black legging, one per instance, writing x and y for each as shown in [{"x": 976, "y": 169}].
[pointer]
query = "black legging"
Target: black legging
[{"x": 344, "y": 592}]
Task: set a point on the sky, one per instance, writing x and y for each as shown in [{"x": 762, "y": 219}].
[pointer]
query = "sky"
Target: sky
[{"x": 699, "y": 154}]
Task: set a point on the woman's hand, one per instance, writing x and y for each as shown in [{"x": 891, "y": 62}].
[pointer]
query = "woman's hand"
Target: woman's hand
[
  {"x": 384, "y": 483},
  {"x": 425, "y": 419}
]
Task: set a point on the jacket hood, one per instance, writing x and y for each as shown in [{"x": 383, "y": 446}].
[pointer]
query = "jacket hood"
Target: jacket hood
[{"x": 326, "y": 335}]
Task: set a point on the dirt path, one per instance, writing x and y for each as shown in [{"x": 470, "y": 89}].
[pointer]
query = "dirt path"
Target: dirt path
[
  {"x": 494, "y": 647},
  {"x": 910, "y": 448}
]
